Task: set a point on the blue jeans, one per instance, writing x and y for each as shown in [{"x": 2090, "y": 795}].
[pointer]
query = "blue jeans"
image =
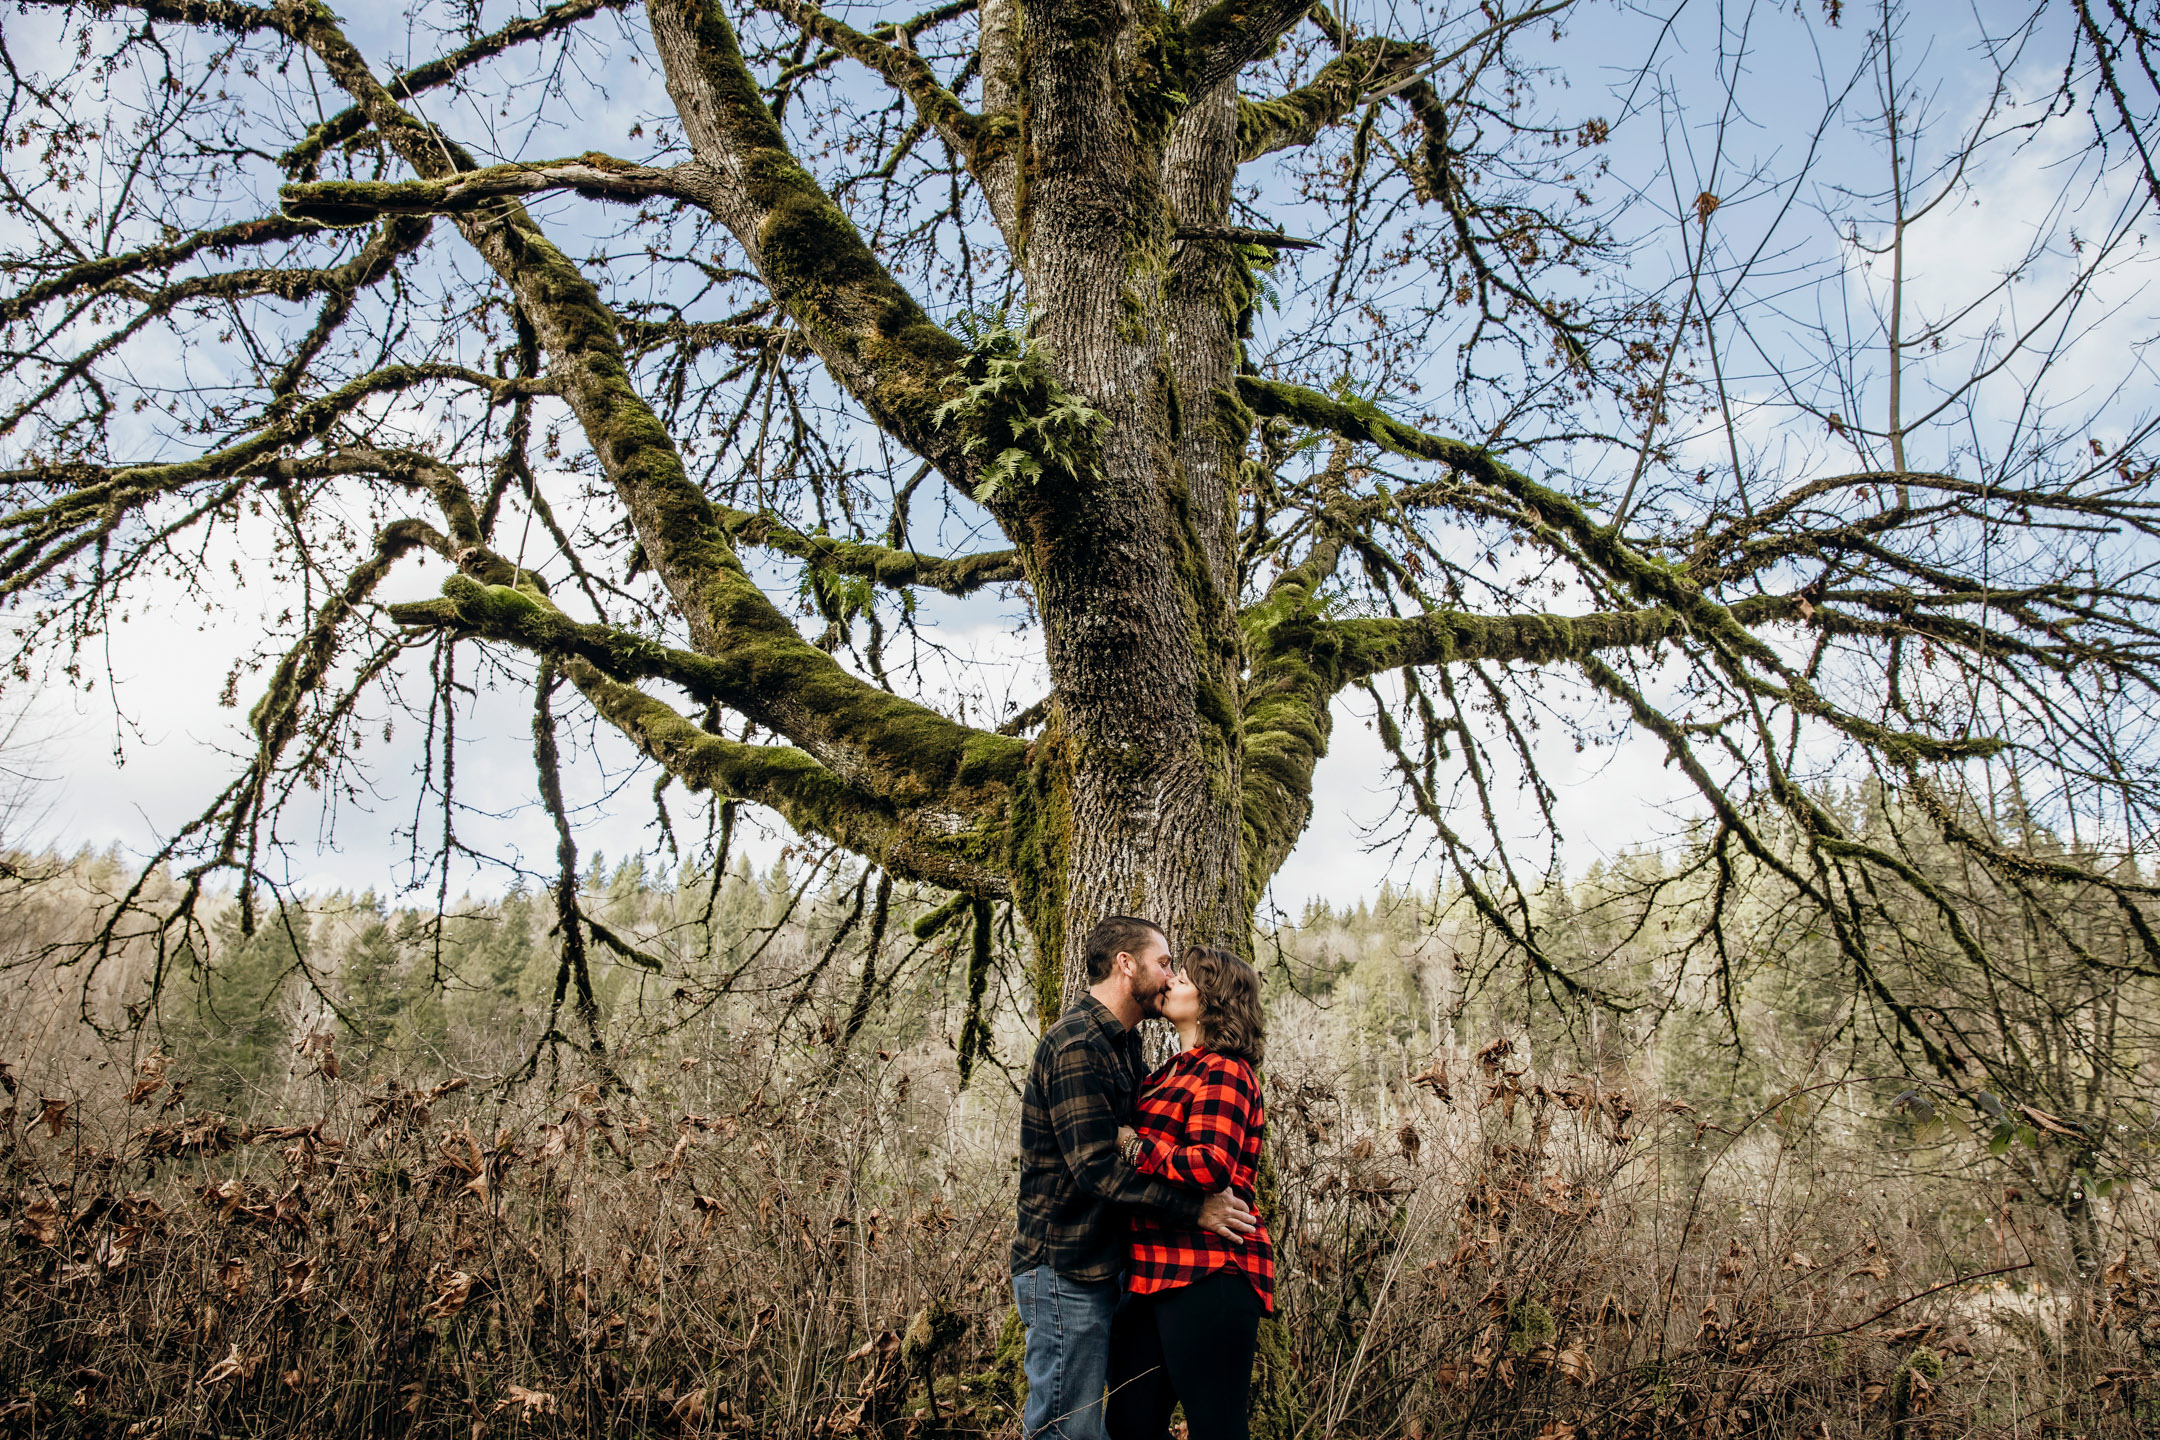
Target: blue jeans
[{"x": 1068, "y": 1351}]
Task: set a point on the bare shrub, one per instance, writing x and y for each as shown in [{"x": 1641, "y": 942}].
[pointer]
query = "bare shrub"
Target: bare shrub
[{"x": 744, "y": 1246}]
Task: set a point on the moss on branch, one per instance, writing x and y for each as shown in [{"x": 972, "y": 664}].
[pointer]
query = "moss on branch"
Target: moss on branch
[
  {"x": 276, "y": 715},
  {"x": 302, "y": 159},
  {"x": 955, "y": 837},
  {"x": 908, "y": 73},
  {"x": 756, "y": 661},
  {"x": 595, "y": 176},
  {"x": 929, "y": 846},
  {"x": 873, "y": 335},
  {"x": 902, "y": 751},
  {"x": 1297, "y": 117},
  {"x": 882, "y": 564},
  {"x": 1227, "y": 36},
  {"x": 1648, "y": 578},
  {"x": 1302, "y": 658}
]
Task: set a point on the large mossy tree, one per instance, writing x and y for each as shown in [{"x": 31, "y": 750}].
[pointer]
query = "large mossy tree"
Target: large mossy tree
[{"x": 877, "y": 287}]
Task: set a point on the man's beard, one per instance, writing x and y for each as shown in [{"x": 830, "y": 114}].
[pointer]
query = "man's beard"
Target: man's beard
[{"x": 1151, "y": 1004}]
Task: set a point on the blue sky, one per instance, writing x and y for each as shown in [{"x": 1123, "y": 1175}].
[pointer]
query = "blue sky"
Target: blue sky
[{"x": 127, "y": 761}]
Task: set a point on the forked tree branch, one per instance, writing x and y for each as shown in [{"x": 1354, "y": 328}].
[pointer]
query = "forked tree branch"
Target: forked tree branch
[
  {"x": 874, "y": 741},
  {"x": 1231, "y": 34},
  {"x": 885, "y": 565},
  {"x": 93, "y": 275},
  {"x": 302, "y": 159},
  {"x": 1296, "y": 118},
  {"x": 978, "y": 138},
  {"x": 873, "y": 336},
  {"x": 974, "y": 775}
]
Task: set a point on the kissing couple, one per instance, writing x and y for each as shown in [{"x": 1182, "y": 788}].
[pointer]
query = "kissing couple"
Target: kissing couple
[{"x": 1139, "y": 1267}]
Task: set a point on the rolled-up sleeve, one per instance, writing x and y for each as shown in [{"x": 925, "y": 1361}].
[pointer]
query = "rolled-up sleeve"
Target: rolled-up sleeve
[{"x": 1217, "y": 1124}]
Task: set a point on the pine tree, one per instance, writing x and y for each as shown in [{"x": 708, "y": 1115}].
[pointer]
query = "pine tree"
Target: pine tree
[
  {"x": 373, "y": 989},
  {"x": 235, "y": 1026}
]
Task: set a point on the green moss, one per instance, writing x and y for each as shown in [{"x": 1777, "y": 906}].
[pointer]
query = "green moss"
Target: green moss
[
  {"x": 1924, "y": 1363},
  {"x": 1154, "y": 86},
  {"x": 1038, "y": 844},
  {"x": 817, "y": 262},
  {"x": 1213, "y": 702},
  {"x": 1298, "y": 117},
  {"x": 1010, "y": 1365},
  {"x": 1529, "y": 1326},
  {"x": 1296, "y": 669},
  {"x": 908, "y": 753}
]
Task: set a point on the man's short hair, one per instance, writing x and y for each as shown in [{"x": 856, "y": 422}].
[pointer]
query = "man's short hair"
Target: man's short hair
[{"x": 1114, "y": 935}]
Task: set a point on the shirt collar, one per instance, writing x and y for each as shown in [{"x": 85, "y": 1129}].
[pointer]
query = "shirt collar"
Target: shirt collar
[{"x": 1108, "y": 1023}]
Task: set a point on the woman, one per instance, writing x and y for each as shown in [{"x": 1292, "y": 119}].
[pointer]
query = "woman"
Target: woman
[{"x": 1187, "y": 1330}]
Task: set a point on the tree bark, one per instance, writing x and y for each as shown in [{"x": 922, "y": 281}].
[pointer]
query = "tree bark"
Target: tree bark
[{"x": 1132, "y": 572}]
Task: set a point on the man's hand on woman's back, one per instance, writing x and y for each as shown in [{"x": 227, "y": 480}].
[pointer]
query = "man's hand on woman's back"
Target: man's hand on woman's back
[{"x": 1227, "y": 1216}]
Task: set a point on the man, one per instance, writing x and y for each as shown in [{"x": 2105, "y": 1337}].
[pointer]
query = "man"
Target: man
[{"x": 1068, "y": 1258}]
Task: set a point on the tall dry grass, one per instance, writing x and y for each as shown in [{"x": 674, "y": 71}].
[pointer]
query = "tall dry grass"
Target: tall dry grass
[{"x": 748, "y": 1245}]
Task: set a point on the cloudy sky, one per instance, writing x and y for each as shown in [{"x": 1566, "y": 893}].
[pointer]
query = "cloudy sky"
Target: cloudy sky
[{"x": 148, "y": 743}]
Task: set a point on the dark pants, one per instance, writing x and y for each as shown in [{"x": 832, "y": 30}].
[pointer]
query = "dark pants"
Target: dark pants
[{"x": 1192, "y": 1345}]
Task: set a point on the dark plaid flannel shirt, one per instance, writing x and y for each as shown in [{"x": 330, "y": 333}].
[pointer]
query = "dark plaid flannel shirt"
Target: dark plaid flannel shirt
[
  {"x": 1075, "y": 1189},
  {"x": 1201, "y": 1123}
]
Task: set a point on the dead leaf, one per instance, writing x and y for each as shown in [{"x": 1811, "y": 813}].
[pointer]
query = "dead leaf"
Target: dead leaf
[
  {"x": 452, "y": 1293},
  {"x": 149, "y": 1077},
  {"x": 1705, "y": 206},
  {"x": 689, "y": 1411},
  {"x": 1576, "y": 1366},
  {"x": 54, "y": 1114},
  {"x": 234, "y": 1276},
  {"x": 299, "y": 1280},
  {"x": 42, "y": 1222},
  {"x": 529, "y": 1403},
  {"x": 233, "y": 1365},
  {"x": 323, "y": 1048},
  {"x": 666, "y": 1169},
  {"x": 709, "y": 1207},
  {"x": 1434, "y": 1078},
  {"x": 2052, "y": 1124}
]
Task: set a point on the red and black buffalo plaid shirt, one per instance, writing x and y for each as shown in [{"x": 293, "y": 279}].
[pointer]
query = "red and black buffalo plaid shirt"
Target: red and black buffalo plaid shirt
[{"x": 1200, "y": 1123}]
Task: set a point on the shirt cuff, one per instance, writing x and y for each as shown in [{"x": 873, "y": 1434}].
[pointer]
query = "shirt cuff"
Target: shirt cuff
[{"x": 1188, "y": 1202}]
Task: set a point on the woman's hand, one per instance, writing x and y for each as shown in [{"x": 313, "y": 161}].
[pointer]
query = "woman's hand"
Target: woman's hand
[{"x": 1128, "y": 1141}]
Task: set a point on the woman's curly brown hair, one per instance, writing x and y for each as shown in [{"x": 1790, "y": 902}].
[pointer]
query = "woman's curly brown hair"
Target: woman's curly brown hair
[{"x": 1232, "y": 1021}]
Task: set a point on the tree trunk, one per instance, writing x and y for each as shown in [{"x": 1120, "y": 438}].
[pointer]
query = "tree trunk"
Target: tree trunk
[{"x": 1133, "y": 573}]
